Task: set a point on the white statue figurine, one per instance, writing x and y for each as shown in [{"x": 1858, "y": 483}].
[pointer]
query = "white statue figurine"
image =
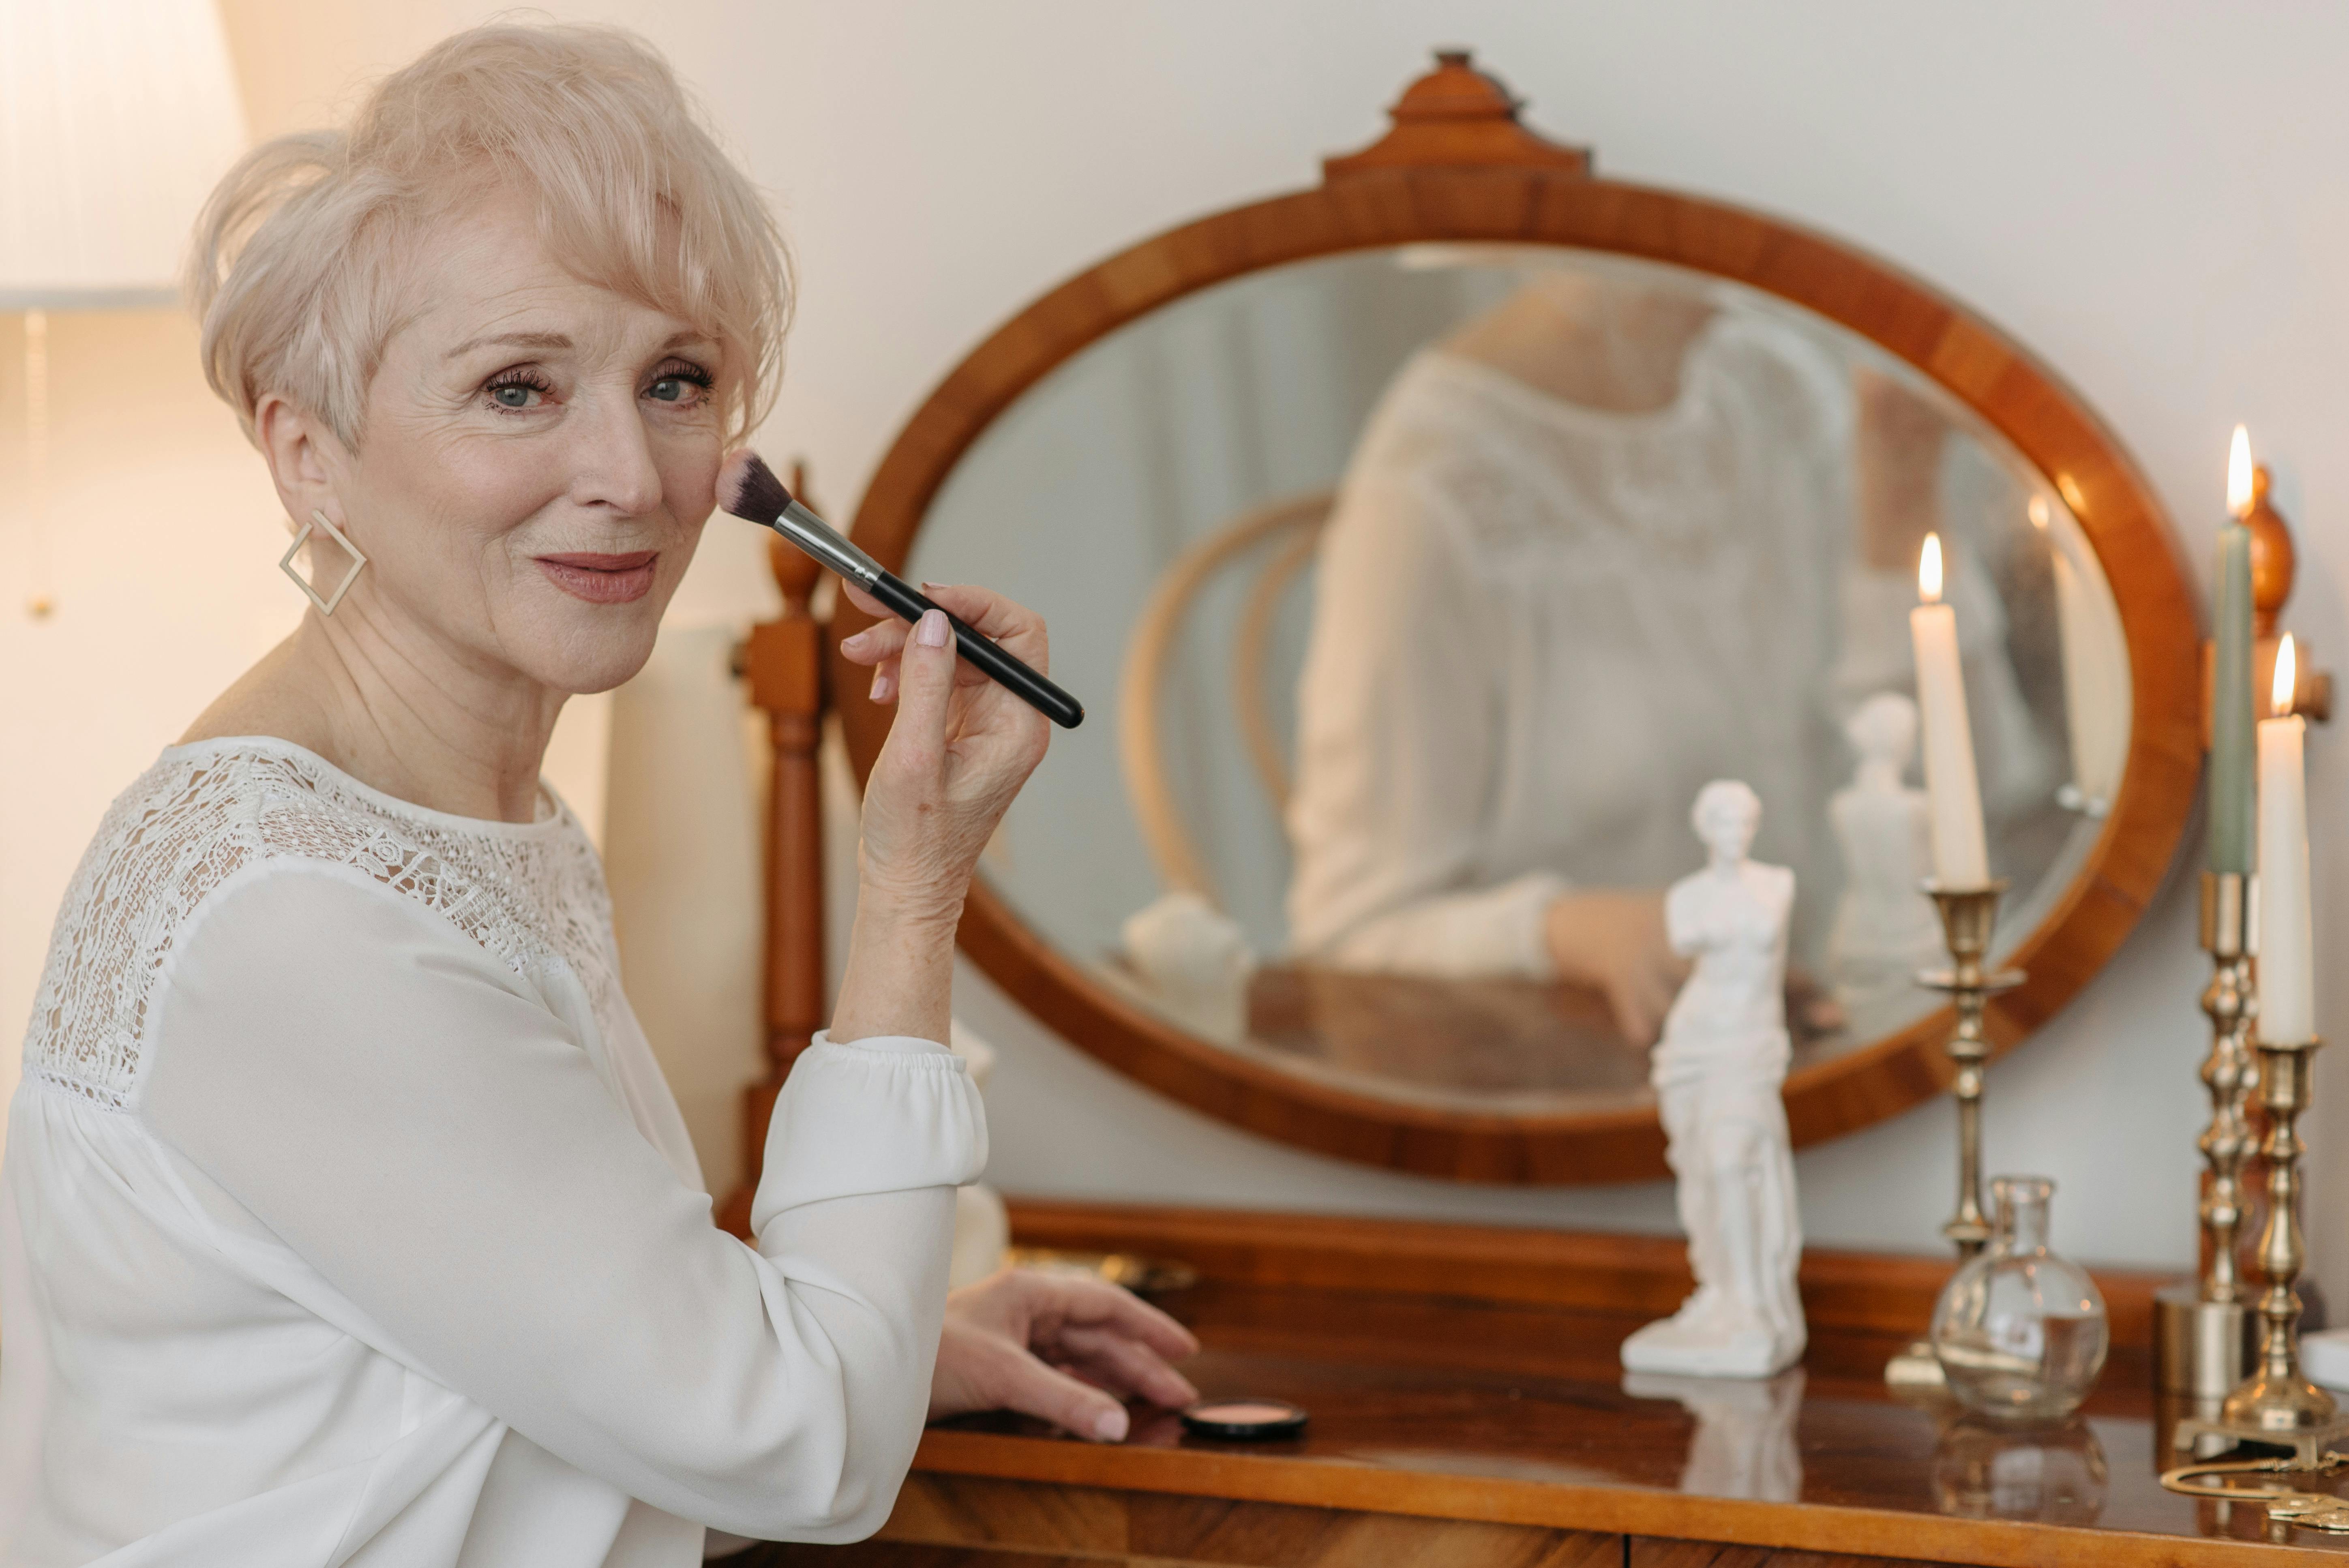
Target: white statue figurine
[
  {"x": 982, "y": 1225},
  {"x": 1196, "y": 962},
  {"x": 1717, "y": 1073},
  {"x": 1885, "y": 928}
]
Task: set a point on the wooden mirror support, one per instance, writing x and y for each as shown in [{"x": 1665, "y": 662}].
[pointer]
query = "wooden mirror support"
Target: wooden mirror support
[
  {"x": 782, "y": 663},
  {"x": 1459, "y": 166}
]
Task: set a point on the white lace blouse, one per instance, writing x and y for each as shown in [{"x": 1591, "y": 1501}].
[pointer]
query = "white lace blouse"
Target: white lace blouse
[
  {"x": 1539, "y": 629},
  {"x": 347, "y": 1218}
]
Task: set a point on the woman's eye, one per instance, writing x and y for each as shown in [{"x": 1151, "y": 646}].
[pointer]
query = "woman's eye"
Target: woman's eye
[
  {"x": 679, "y": 388},
  {"x": 512, "y": 395}
]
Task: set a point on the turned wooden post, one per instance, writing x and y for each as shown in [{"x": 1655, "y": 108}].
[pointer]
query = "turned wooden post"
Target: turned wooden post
[{"x": 783, "y": 662}]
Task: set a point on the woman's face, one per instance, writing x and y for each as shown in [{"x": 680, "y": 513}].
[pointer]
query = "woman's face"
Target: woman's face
[{"x": 535, "y": 461}]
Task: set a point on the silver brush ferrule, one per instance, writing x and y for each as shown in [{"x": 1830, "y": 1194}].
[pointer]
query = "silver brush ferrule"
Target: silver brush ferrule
[{"x": 820, "y": 540}]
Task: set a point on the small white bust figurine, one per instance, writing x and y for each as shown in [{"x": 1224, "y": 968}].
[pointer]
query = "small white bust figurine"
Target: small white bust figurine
[
  {"x": 1717, "y": 1073},
  {"x": 982, "y": 1227},
  {"x": 1885, "y": 928},
  {"x": 1196, "y": 962}
]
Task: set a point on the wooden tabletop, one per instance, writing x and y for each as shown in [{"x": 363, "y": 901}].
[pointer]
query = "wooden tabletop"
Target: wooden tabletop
[{"x": 1511, "y": 1413}]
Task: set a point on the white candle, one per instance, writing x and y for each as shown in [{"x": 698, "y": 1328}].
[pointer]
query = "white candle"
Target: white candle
[
  {"x": 2095, "y": 666},
  {"x": 1960, "y": 855},
  {"x": 2287, "y": 968}
]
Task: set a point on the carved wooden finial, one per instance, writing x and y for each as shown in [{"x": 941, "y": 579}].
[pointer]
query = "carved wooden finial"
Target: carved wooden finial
[
  {"x": 2273, "y": 560},
  {"x": 795, "y": 571},
  {"x": 2275, "y": 563},
  {"x": 1457, "y": 114}
]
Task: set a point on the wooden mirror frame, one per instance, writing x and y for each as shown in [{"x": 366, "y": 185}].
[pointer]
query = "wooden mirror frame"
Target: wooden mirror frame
[{"x": 1457, "y": 166}]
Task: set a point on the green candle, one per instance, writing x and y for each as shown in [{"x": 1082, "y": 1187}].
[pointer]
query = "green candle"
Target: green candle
[{"x": 2233, "y": 744}]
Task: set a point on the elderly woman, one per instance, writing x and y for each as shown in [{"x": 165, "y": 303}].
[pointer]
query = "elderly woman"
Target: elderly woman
[{"x": 349, "y": 1219}]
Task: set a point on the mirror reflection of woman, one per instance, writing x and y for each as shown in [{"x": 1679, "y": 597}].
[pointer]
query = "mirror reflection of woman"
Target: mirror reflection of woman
[
  {"x": 348, "y": 1216},
  {"x": 1586, "y": 557}
]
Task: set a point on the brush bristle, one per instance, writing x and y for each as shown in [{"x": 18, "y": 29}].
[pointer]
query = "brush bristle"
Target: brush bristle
[{"x": 748, "y": 488}]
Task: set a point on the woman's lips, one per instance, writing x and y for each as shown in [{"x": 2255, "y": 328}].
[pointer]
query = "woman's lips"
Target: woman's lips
[{"x": 601, "y": 579}]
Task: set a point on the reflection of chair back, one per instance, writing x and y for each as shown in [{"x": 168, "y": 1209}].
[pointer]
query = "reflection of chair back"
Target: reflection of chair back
[{"x": 1295, "y": 525}]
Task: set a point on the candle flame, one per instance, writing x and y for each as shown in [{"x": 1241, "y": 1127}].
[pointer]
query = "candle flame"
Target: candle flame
[
  {"x": 2239, "y": 473},
  {"x": 1929, "y": 570},
  {"x": 2287, "y": 678},
  {"x": 2039, "y": 512}
]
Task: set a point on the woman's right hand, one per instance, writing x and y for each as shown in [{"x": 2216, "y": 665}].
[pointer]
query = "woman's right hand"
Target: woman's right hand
[
  {"x": 959, "y": 750},
  {"x": 1613, "y": 942}
]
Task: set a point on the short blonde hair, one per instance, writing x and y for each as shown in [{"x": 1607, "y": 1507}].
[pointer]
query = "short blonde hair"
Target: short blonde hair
[{"x": 296, "y": 269}]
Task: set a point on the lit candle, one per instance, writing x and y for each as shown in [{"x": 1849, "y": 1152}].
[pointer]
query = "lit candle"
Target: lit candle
[
  {"x": 2287, "y": 969},
  {"x": 1960, "y": 856},
  {"x": 2232, "y": 698}
]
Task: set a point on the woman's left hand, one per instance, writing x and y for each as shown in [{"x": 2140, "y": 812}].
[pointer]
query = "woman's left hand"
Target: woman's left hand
[{"x": 1070, "y": 1350}]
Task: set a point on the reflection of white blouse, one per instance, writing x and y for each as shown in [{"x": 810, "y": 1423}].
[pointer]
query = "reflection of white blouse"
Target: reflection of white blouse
[
  {"x": 347, "y": 1218},
  {"x": 1540, "y": 628}
]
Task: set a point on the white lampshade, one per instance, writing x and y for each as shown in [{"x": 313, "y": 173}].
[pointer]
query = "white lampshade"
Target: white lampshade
[{"x": 116, "y": 117}]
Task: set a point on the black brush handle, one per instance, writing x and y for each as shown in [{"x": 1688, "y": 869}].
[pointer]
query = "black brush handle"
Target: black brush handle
[{"x": 1002, "y": 668}]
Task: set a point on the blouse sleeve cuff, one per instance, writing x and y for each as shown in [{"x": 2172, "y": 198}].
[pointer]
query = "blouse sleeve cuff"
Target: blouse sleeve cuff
[{"x": 883, "y": 1115}]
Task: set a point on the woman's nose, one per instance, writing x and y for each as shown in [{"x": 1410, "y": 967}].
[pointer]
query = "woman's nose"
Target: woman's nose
[{"x": 615, "y": 465}]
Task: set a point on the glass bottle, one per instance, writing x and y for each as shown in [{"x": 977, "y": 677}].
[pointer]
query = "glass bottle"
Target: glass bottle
[{"x": 2021, "y": 1332}]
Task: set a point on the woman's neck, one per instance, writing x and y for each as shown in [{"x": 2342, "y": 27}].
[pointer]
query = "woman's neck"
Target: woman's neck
[{"x": 414, "y": 721}]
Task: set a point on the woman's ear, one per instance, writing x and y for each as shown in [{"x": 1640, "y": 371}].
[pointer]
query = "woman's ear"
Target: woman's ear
[{"x": 305, "y": 458}]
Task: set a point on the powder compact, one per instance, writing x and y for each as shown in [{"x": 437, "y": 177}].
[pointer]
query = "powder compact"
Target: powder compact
[{"x": 1243, "y": 1421}]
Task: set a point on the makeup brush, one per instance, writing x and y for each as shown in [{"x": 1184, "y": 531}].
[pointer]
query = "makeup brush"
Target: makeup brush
[{"x": 748, "y": 488}]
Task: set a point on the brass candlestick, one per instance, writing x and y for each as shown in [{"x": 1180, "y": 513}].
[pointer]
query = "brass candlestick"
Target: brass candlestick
[
  {"x": 2277, "y": 1404},
  {"x": 2230, "y": 1072},
  {"x": 2276, "y": 1398},
  {"x": 2205, "y": 1331},
  {"x": 1968, "y": 916}
]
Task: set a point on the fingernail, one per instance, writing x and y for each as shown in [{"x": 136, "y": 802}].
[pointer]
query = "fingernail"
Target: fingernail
[
  {"x": 932, "y": 633},
  {"x": 855, "y": 645},
  {"x": 1110, "y": 1426},
  {"x": 880, "y": 686}
]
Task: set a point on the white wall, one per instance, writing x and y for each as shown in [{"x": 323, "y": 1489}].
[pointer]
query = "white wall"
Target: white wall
[{"x": 2155, "y": 203}]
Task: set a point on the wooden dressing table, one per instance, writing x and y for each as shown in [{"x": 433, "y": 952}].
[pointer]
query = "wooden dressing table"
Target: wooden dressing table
[{"x": 1467, "y": 1407}]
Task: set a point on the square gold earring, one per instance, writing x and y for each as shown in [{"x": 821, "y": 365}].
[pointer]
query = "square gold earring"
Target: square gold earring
[{"x": 318, "y": 520}]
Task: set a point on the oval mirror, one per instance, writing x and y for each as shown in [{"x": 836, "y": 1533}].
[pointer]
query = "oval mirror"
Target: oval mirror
[{"x": 1421, "y": 544}]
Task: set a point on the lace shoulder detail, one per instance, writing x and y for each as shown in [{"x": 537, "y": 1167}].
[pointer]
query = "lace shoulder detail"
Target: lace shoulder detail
[{"x": 201, "y": 814}]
